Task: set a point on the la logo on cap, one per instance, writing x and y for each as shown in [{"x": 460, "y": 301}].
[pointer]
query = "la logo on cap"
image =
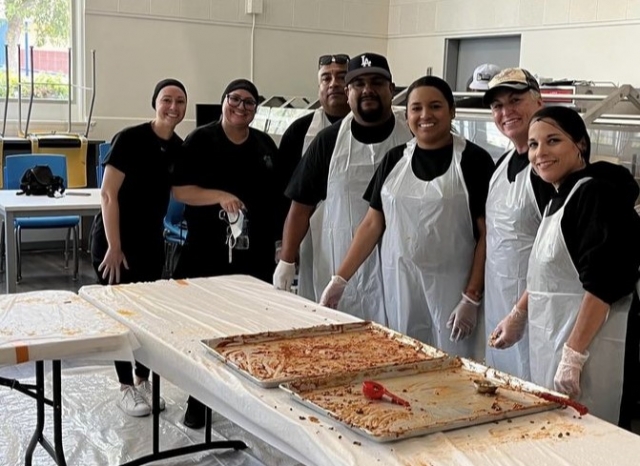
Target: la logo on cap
[{"x": 365, "y": 61}]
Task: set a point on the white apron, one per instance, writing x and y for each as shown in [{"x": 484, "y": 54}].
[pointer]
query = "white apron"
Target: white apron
[
  {"x": 305, "y": 271},
  {"x": 335, "y": 221},
  {"x": 427, "y": 250},
  {"x": 555, "y": 295},
  {"x": 512, "y": 218}
]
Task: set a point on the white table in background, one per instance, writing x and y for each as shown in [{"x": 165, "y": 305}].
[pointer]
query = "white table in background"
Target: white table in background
[
  {"x": 169, "y": 318},
  {"x": 53, "y": 326},
  {"x": 82, "y": 202}
]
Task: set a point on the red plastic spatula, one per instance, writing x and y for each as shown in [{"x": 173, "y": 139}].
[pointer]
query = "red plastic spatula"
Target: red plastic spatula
[{"x": 376, "y": 391}]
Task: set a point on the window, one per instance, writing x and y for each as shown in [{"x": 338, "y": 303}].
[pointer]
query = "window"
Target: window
[
  {"x": 49, "y": 26},
  {"x": 45, "y": 25}
]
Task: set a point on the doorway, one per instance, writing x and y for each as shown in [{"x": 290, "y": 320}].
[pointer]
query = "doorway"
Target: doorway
[{"x": 463, "y": 55}]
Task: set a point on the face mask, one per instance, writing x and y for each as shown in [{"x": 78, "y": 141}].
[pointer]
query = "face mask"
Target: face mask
[
  {"x": 237, "y": 231},
  {"x": 236, "y": 221}
]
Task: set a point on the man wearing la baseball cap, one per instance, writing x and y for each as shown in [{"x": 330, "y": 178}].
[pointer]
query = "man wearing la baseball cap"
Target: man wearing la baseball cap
[
  {"x": 514, "y": 207},
  {"x": 337, "y": 168},
  {"x": 368, "y": 63}
]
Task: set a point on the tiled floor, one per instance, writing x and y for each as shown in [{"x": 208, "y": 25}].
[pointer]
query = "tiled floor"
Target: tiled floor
[{"x": 45, "y": 271}]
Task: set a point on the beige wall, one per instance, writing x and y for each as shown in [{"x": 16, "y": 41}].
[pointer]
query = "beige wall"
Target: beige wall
[
  {"x": 207, "y": 43},
  {"x": 580, "y": 39}
]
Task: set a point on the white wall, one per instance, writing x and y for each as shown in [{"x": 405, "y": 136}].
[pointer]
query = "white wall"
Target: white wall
[
  {"x": 207, "y": 43},
  {"x": 579, "y": 39}
]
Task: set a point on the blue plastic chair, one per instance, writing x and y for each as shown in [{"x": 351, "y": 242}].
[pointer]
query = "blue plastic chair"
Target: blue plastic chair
[
  {"x": 14, "y": 168},
  {"x": 175, "y": 232},
  {"x": 103, "y": 150}
]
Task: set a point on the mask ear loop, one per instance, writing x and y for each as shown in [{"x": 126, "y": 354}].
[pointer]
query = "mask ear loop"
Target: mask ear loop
[
  {"x": 231, "y": 241},
  {"x": 223, "y": 215}
]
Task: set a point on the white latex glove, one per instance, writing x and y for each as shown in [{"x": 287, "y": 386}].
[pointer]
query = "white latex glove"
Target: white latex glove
[
  {"x": 567, "y": 379},
  {"x": 283, "y": 276},
  {"x": 463, "y": 319},
  {"x": 510, "y": 330},
  {"x": 333, "y": 292}
]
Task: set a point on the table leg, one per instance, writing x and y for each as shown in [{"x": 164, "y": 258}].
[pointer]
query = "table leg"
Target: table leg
[
  {"x": 158, "y": 455},
  {"x": 37, "y": 435},
  {"x": 57, "y": 415},
  {"x": 56, "y": 451},
  {"x": 155, "y": 401},
  {"x": 11, "y": 274}
]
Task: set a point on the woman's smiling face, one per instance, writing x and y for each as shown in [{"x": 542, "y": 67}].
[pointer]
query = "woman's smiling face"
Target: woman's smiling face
[
  {"x": 552, "y": 152},
  {"x": 429, "y": 117}
]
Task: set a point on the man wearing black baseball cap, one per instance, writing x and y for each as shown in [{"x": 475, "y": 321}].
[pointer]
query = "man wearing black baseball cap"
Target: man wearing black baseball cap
[
  {"x": 515, "y": 203},
  {"x": 332, "y": 69},
  {"x": 336, "y": 169}
]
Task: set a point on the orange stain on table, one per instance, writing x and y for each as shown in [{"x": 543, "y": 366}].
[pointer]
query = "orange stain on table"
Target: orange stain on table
[
  {"x": 182, "y": 282},
  {"x": 535, "y": 431},
  {"x": 126, "y": 313},
  {"x": 416, "y": 462}
]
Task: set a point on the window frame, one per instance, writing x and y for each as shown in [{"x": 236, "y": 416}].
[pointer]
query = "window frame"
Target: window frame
[{"x": 54, "y": 113}]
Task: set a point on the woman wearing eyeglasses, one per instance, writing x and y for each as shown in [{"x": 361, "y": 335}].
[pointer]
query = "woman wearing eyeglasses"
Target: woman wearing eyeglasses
[{"x": 228, "y": 179}]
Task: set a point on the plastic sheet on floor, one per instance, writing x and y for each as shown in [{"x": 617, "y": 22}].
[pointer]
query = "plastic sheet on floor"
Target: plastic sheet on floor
[{"x": 96, "y": 432}]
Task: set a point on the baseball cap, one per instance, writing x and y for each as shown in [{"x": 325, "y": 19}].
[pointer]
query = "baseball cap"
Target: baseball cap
[
  {"x": 482, "y": 75},
  {"x": 367, "y": 63},
  {"x": 517, "y": 79}
]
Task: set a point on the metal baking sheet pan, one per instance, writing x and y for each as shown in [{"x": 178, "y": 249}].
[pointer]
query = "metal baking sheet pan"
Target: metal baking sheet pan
[
  {"x": 272, "y": 358},
  {"x": 441, "y": 398}
]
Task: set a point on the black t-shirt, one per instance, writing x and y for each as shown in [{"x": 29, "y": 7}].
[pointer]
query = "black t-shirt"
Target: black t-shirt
[
  {"x": 292, "y": 143},
  {"x": 250, "y": 172},
  {"x": 146, "y": 161},
  {"x": 602, "y": 233},
  {"x": 542, "y": 190},
  {"x": 309, "y": 182},
  {"x": 476, "y": 164}
]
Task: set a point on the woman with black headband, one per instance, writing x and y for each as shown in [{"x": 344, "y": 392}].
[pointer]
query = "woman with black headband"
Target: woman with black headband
[
  {"x": 583, "y": 338},
  {"x": 127, "y": 235},
  {"x": 228, "y": 178},
  {"x": 426, "y": 207}
]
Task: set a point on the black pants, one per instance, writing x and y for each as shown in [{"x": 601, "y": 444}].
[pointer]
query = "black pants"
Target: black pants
[
  {"x": 152, "y": 272},
  {"x": 124, "y": 369},
  {"x": 631, "y": 382}
]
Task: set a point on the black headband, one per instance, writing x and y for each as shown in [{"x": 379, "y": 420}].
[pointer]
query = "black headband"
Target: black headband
[
  {"x": 161, "y": 85},
  {"x": 244, "y": 84}
]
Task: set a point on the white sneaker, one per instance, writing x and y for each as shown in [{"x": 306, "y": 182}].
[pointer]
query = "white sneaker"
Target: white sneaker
[
  {"x": 133, "y": 403},
  {"x": 144, "y": 389}
]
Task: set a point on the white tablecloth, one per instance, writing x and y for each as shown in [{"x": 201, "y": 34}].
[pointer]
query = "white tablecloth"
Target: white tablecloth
[
  {"x": 169, "y": 318},
  {"x": 48, "y": 325}
]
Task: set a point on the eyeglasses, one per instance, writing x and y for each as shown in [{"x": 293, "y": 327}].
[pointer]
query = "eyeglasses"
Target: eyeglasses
[
  {"x": 340, "y": 59},
  {"x": 235, "y": 101}
]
